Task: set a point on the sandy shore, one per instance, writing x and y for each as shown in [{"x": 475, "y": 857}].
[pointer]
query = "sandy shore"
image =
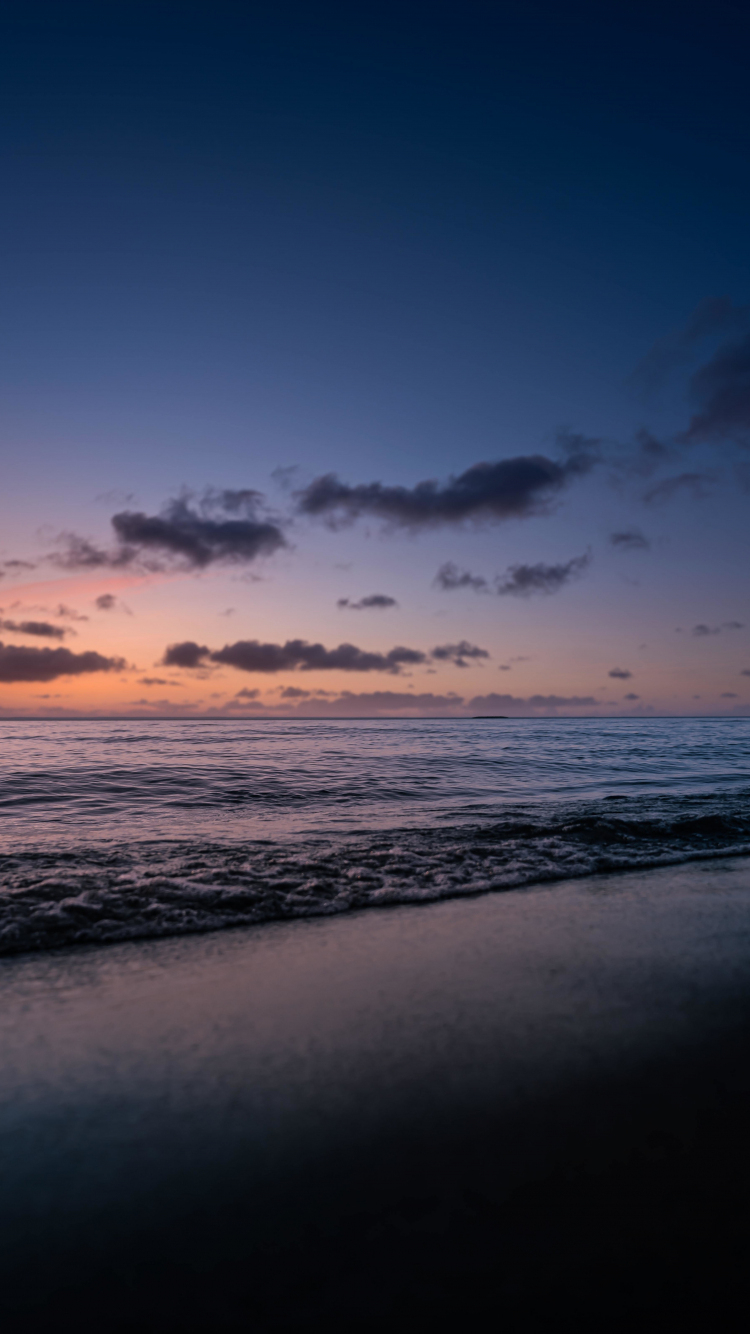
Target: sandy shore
[{"x": 527, "y": 1107}]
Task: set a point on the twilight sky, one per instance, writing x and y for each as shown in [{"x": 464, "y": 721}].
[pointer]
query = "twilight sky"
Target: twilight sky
[{"x": 375, "y": 359}]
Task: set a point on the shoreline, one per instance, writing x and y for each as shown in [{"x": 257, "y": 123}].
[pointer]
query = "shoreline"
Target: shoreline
[{"x": 384, "y": 1116}]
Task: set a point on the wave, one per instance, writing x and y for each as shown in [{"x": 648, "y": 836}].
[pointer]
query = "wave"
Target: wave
[{"x": 52, "y": 898}]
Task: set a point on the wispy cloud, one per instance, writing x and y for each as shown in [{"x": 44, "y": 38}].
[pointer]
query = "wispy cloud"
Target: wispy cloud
[
  {"x": 695, "y": 484},
  {"x": 374, "y": 602},
  {"x": 714, "y": 315},
  {"x": 518, "y": 581},
  {"x": 630, "y": 539},
  {"x": 721, "y": 390},
  {"x": 450, "y": 577},
  {"x": 701, "y": 630}
]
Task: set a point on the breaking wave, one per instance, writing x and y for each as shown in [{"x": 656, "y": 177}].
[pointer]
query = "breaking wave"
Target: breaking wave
[{"x": 74, "y": 895}]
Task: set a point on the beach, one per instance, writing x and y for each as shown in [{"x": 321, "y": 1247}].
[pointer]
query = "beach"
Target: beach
[{"x": 526, "y": 1106}]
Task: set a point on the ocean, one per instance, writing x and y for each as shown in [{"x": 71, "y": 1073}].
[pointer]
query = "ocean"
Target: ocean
[{"x": 117, "y": 830}]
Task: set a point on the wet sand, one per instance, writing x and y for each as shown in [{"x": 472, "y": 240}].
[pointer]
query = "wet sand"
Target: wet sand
[{"x": 527, "y": 1107}]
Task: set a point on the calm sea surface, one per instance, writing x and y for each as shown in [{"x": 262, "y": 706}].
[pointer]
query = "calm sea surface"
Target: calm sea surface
[{"x": 110, "y": 830}]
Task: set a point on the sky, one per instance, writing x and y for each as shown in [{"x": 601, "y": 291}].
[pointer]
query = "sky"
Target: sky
[{"x": 375, "y": 360}]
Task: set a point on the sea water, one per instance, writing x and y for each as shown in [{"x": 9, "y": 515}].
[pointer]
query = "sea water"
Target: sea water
[{"x": 118, "y": 829}]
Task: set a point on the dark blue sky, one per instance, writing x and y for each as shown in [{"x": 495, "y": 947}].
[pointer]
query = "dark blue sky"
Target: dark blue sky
[{"x": 386, "y": 241}]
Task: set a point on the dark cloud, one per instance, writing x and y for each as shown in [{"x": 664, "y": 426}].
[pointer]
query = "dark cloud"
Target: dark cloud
[
  {"x": 458, "y": 654},
  {"x": 701, "y": 631},
  {"x": 157, "y": 681},
  {"x": 16, "y": 566},
  {"x": 223, "y": 527},
  {"x": 486, "y": 492},
  {"x": 375, "y": 602},
  {"x": 630, "y": 539},
  {"x": 46, "y": 664},
  {"x": 714, "y": 315},
  {"x": 249, "y": 655},
  {"x": 631, "y": 696},
  {"x": 108, "y": 602},
  {"x": 247, "y": 694},
  {"x": 518, "y": 581},
  {"x": 186, "y": 654},
  {"x": 512, "y": 704},
  {"x": 695, "y": 483},
  {"x": 44, "y": 629},
  {"x": 729, "y": 694},
  {"x": 292, "y": 692},
  {"x": 745, "y": 671},
  {"x": 721, "y": 391},
  {"x": 620, "y": 674},
  {"x": 522, "y": 581}
]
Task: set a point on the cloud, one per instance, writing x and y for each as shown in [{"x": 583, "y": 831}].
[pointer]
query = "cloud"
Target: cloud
[
  {"x": 375, "y": 602},
  {"x": 630, "y": 539},
  {"x": 745, "y": 671},
  {"x": 487, "y": 492},
  {"x": 17, "y": 566},
  {"x": 729, "y": 694},
  {"x": 187, "y": 654},
  {"x": 721, "y": 389},
  {"x": 157, "y": 681},
  {"x": 701, "y": 631},
  {"x": 44, "y": 629},
  {"x": 108, "y": 602},
  {"x": 249, "y": 655},
  {"x": 247, "y": 694},
  {"x": 366, "y": 704},
  {"x": 523, "y": 581},
  {"x": 620, "y": 674},
  {"x": 458, "y": 653},
  {"x": 518, "y": 581},
  {"x": 714, "y": 315},
  {"x": 693, "y": 482},
  {"x": 46, "y": 664},
  {"x": 631, "y": 696},
  {"x": 494, "y": 703},
  {"x": 68, "y": 613},
  {"x": 222, "y": 527},
  {"x": 450, "y": 577},
  {"x": 291, "y": 692}
]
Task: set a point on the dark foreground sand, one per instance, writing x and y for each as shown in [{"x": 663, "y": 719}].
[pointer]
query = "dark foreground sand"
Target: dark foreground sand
[{"x": 527, "y": 1109}]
